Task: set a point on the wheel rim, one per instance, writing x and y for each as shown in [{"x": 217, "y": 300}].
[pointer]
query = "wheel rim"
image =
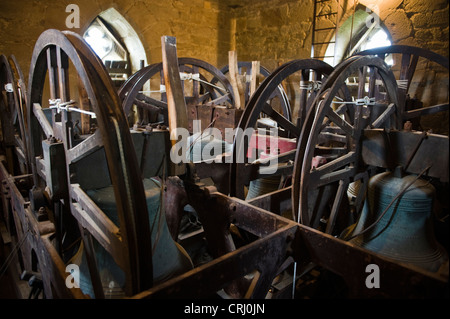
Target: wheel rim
[
  {"x": 257, "y": 105},
  {"x": 220, "y": 92},
  {"x": 264, "y": 73},
  {"x": 62, "y": 47},
  {"x": 409, "y": 58},
  {"x": 13, "y": 110},
  {"x": 316, "y": 187}
]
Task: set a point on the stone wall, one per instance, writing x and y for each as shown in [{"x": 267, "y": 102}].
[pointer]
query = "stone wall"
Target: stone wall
[
  {"x": 280, "y": 30},
  {"x": 202, "y": 27},
  {"x": 273, "y": 31}
]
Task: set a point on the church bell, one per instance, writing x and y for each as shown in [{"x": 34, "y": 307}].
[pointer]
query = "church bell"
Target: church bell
[
  {"x": 169, "y": 259},
  {"x": 404, "y": 226},
  {"x": 262, "y": 186}
]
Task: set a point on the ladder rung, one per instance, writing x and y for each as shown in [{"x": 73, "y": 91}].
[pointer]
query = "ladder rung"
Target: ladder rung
[
  {"x": 325, "y": 14},
  {"x": 321, "y": 43},
  {"x": 321, "y": 1},
  {"x": 324, "y": 29}
]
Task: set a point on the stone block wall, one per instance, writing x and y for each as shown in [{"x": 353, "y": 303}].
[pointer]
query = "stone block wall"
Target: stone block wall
[
  {"x": 272, "y": 32},
  {"x": 280, "y": 30},
  {"x": 202, "y": 27}
]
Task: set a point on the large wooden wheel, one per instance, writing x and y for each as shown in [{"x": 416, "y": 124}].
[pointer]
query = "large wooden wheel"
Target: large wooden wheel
[
  {"x": 14, "y": 160},
  {"x": 334, "y": 130},
  {"x": 62, "y": 67},
  {"x": 246, "y": 70},
  {"x": 422, "y": 77},
  {"x": 146, "y": 90},
  {"x": 12, "y": 109},
  {"x": 260, "y": 117}
]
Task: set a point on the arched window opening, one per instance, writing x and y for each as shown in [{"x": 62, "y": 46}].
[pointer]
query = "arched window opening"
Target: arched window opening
[
  {"x": 100, "y": 39},
  {"x": 379, "y": 38},
  {"x": 361, "y": 31},
  {"x": 110, "y": 50},
  {"x": 117, "y": 44}
]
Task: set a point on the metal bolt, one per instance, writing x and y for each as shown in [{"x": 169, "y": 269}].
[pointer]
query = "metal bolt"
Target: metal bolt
[{"x": 407, "y": 126}]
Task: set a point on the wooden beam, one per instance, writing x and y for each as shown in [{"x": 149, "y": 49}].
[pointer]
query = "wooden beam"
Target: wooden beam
[
  {"x": 176, "y": 104},
  {"x": 256, "y": 66},
  {"x": 236, "y": 81}
]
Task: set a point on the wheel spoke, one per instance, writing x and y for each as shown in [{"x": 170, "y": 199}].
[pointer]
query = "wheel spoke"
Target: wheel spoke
[
  {"x": 340, "y": 122},
  {"x": 85, "y": 148},
  {"x": 42, "y": 119},
  {"x": 336, "y": 134},
  {"x": 334, "y": 165},
  {"x": 385, "y": 116},
  {"x": 281, "y": 120},
  {"x": 340, "y": 195},
  {"x": 52, "y": 75},
  {"x": 63, "y": 75},
  {"x": 362, "y": 81},
  {"x": 319, "y": 179}
]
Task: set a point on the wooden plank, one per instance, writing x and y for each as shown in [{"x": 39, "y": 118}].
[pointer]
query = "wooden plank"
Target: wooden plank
[
  {"x": 42, "y": 119},
  {"x": 88, "y": 146},
  {"x": 175, "y": 98},
  {"x": 84, "y": 105},
  {"x": 235, "y": 80},
  {"x": 6, "y": 238},
  {"x": 390, "y": 149},
  {"x": 92, "y": 218},
  {"x": 256, "y": 66},
  {"x": 178, "y": 118}
]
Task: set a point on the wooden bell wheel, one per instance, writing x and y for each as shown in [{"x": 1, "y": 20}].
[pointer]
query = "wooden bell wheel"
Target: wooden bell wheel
[
  {"x": 252, "y": 139},
  {"x": 334, "y": 130},
  {"x": 422, "y": 78},
  {"x": 245, "y": 68},
  {"x": 62, "y": 68},
  {"x": 146, "y": 89},
  {"x": 14, "y": 159},
  {"x": 13, "y": 106}
]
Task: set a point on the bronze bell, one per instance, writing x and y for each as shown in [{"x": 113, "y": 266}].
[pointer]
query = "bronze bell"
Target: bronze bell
[
  {"x": 404, "y": 231},
  {"x": 169, "y": 258},
  {"x": 263, "y": 186}
]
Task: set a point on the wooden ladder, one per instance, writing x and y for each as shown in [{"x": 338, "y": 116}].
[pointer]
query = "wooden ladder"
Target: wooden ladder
[{"x": 322, "y": 28}]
